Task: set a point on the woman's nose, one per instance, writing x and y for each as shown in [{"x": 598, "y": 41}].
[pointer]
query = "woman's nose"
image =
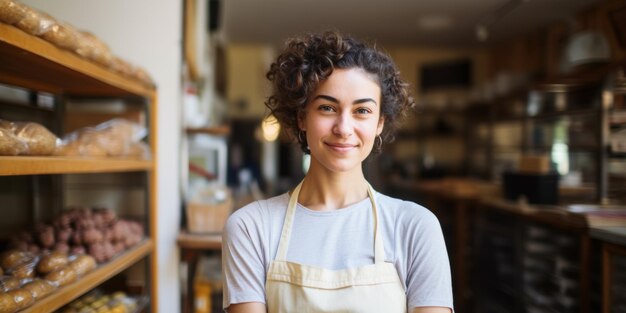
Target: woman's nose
[{"x": 343, "y": 125}]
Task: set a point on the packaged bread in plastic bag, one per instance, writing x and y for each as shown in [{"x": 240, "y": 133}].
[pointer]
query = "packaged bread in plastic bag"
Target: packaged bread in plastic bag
[
  {"x": 11, "y": 11},
  {"x": 26, "y": 138},
  {"x": 113, "y": 138},
  {"x": 92, "y": 48},
  {"x": 62, "y": 35},
  {"x": 35, "y": 22}
]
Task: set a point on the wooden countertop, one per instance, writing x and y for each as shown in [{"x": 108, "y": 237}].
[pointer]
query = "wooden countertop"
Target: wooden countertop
[
  {"x": 489, "y": 196},
  {"x": 612, "y": 234},
  {"x": 188, "y": 240}
]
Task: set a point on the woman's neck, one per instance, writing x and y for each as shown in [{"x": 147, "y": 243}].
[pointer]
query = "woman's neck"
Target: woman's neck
[{"x": 327, "y": 191}]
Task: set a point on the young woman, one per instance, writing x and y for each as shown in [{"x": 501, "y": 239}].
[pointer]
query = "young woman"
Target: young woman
[{"x": 333, "y": 244}]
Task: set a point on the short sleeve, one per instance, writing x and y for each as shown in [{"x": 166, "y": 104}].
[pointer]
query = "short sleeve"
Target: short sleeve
[
  {"x": 242, "y": 257},
  {"x": 428, "y": 268}
]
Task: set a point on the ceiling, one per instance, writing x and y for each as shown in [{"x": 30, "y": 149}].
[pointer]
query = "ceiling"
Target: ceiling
[{"x": 448, "y": 23}]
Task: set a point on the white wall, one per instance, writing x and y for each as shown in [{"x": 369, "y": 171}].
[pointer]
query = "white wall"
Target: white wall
[{"x": 146, "y": 33}]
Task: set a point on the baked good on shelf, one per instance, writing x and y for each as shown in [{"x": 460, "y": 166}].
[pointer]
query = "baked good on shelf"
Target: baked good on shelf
[{"x": 11, "y": 11}]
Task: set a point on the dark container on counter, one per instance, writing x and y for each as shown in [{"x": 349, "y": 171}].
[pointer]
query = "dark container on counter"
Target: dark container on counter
[{"x": 536, "y": 188}]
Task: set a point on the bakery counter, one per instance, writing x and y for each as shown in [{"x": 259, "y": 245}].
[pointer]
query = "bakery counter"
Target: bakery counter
[
  {"x": 506, "y": 254},
  {"x": 610, "y": 234}
]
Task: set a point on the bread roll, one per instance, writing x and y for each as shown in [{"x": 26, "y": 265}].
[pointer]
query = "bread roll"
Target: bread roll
[
  {"x": 62, "y": 277},
  {"x": 83, "y": 264},
  {"x": 39, "y": 288},
  {"x": 24, "y": 269},
  {"x": 51, "y": 262},
  {"x": 12, "y": 258},
  {"x": 22, "y": 298},
  {"x": 7, "y": 303}
]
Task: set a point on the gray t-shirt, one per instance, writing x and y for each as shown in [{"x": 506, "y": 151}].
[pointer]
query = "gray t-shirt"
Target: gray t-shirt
[{"x": 335, "y": 240}]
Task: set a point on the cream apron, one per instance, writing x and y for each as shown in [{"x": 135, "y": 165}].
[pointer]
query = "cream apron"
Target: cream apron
[{"x": 292, "y": 287}]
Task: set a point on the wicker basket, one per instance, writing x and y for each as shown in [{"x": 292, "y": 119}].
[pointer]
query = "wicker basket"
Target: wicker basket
[{"x": 208, "y": 218}]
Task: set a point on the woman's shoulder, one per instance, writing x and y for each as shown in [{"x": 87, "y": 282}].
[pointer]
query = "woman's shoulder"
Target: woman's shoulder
[{"x": 407, "y": 212}]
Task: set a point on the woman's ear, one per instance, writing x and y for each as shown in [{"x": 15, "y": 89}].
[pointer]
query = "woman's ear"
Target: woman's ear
[
  {"x": 381, "y": 126},
  {"x": 301, "y": 126}
]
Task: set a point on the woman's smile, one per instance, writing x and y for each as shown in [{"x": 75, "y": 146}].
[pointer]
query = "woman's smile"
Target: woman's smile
[{"x": 341, "y": 147}]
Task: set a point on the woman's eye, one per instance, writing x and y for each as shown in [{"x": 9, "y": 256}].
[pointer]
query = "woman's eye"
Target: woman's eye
[
  {"x": 362, "y": 111},
  {"x": 326, "y": 108}
]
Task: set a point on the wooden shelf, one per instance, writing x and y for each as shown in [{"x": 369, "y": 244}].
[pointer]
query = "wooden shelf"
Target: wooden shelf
[
  {"x": 39, "y": 65},
  {"x": 199, "y": 241},
  {"x": 27, "y": 165},
  {"x": 70, "y": 292},
  {"x": 32, "y": 63},
  {"x": 215, "y": 130}
]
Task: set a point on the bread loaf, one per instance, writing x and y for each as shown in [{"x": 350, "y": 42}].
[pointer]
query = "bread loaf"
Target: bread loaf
[
  {"x": 9, "y": 144},
  {"x": 11, "y": 11},
  {"x": 39, "y": 140},
  {"x": 62, "y": 35},
  {"x": 52, "y": 262},
  {"x": 34, "y": 22},
  {"x": 12, "y": 258},
  {"x": 83, "y": 264},
  {"x": 62, "y": 277},
  {"x": 39, "y": 288}
]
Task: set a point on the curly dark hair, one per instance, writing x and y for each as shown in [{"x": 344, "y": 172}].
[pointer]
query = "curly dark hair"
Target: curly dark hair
[{"x": 307, "y": 60}]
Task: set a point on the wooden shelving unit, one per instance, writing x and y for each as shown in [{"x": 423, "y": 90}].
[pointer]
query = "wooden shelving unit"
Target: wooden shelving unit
[
  {"x": 34, "y": 64},
  {"x": 55, "y": 70},
  {"x": 91, "y": 280},
  {"x": 62, "y": 165}
]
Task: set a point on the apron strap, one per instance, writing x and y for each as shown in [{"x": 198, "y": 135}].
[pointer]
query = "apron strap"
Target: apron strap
[
  {"x": 379, "y": 249},
  {"x": 283, "y": 244},
  {"x": 281, "y": 255}
]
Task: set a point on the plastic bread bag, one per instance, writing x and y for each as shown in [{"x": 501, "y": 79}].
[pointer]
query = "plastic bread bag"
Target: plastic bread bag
[
  {"x": 26, "y": 269},
  {"x": 39, "y": 288},
  {"x": 39, "y": 140},
  {"x": 35, "y": 22},
  {"x": 113, "y": 138},
  {"x": 92, "y": 48},
  {"x": 9, "y": 144},
  {"x": 11, "y": 11},
  {"x": 8, "y": 283},
  {"x": 121, "y": 66},
  {"x": 143, "y": 76},
  {"x": 26, "y": 138},
  {"x": 62, "y": 35},
  {"x": 15, "y": 300}
]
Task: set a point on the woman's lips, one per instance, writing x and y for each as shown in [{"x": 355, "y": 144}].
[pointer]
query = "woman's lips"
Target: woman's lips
[{"x": 341, "y": 147}]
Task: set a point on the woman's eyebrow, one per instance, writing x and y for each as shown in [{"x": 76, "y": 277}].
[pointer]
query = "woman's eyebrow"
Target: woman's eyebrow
[{"x": 332, "y": 99}]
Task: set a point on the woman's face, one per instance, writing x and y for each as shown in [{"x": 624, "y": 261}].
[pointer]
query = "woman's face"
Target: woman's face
[{"x": 342, "y": 119}]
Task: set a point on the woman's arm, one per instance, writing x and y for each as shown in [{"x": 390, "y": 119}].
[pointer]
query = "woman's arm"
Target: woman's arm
[
  {"x": 429, "y": 309},
  {"x": 250, "y": 307}
]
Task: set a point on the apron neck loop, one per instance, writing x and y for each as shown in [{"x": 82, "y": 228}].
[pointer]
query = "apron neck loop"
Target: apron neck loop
[{"x": 281, "y": 254}]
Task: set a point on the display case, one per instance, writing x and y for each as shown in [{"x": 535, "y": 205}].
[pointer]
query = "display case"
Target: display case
[
  {"x": 38, "y": 188},
  {"x": 578, "y": 121}
]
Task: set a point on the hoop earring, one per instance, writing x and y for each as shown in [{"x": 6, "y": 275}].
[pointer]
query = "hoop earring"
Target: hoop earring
[
  {"x": 302, "y": 139},
  {"x": 301, "y": 136},
  {"x": 380, "y": 145}
]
